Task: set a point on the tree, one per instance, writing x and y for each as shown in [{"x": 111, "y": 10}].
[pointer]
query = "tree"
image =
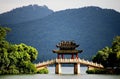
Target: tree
[
  {"x": 102, "y": 56},
  {"x": 4, "y": 45},
  {"x": 109, "y": 56},
  {"x": 3, "y": 32},
  {"x": 116, "y": 44},
  {"x": 30, "y": 53},
  {"x": 116, "y": 51},
  {"x": 16, "y": 58}
]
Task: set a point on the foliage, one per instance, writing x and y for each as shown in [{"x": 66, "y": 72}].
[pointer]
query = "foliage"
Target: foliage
[
  {"x": 103, "y": 71},
  {"x": 102, "y": 56},
  {"x": 16, "y": 58},
  {"x": 43, "y": 71},
  {"x": 3, "y": 32},
  {"x": 96, "y": 71},
  {"x": 109, "y": 56}
]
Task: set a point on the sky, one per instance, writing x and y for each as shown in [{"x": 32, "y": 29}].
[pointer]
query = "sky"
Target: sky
[{"x": 56, "y": 5}]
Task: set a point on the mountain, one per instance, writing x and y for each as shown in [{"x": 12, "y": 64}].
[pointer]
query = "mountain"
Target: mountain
[
  {"x": 91, "y": 27},
  {"x": 25, "y": 13}
]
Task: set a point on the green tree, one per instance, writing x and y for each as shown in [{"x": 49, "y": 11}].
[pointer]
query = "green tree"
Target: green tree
[
  {"x": 116, "y": 52},
  {"x": 102, "y": 56},
  {"x": 109, "y": 56},
  {"x": 3, "y": 32},
  {"x": 116, "y": 44},
  {"x": 16, "y": 58}
]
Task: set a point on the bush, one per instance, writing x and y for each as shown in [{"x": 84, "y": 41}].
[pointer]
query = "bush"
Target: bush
[
  {"x": 13, "y": 71},
  {"x": 103, "y": 71},
  {"x": 96, "y": 71},
  {"x": 43, "y": 71},
  {"x": 117, "y": 71}
]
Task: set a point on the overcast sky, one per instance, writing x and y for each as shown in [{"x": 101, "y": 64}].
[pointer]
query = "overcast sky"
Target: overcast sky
[{"x": 56, "y": 5}]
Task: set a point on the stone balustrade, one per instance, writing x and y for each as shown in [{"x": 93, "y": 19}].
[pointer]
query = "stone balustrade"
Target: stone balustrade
[{"x": 69, "y": 61}]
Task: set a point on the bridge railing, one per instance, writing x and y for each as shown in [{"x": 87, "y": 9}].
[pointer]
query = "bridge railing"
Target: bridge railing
[
  {"x": 40, "y": 64},
  {"x": 81, "y": 61}
]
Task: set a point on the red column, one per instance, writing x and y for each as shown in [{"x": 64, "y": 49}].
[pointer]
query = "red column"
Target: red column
[
  {"x": 58, "y": 56},
  {"x": 72, "y": 56},
  {"x": 77, "y": 55},
  {"x": 62, "y": 56}
]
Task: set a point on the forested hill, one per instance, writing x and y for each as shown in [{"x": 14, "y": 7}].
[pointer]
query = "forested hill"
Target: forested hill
[
  {"x": 25, "y": 13},
  {"x": 91, "y": 27}
]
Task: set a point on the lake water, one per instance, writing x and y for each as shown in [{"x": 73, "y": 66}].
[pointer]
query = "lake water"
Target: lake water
[{"x": 67, "y": 73}]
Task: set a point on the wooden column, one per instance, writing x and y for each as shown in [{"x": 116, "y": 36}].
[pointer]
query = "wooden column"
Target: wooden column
[
  {"x": 76, "y": 68},
  {"x": 58, "y": 68},
  {"x": 77, "y": 55},
  {"x": 58, "y": 56},
  {"x": 62, "y": 56},
  {"x": 72, "y": 56}
]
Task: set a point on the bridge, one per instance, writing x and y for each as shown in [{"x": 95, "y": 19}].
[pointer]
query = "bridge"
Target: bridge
[
  {"x": 68, "y": 48},
  {"x": 76, "y": 63}
]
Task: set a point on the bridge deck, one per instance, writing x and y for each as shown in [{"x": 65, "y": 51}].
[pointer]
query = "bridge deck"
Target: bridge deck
[{"x": 69, "y": 61}]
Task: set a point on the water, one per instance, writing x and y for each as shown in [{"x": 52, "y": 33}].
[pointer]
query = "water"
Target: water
[{"x": 67, "y": 73}]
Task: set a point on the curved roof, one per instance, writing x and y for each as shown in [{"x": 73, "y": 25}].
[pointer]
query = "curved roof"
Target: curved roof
[
  {"x": 67, "y": 51},
  {"x": 67, "y": 45}
]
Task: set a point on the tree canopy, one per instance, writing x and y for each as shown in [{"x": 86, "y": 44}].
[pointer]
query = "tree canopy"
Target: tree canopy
[
  {"x": 3, "y": 32},
  {"x": 109, "y": 56},
  {"x": 15, "y": 58}
]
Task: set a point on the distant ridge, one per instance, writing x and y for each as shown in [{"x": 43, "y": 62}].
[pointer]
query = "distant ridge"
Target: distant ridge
[
  {"x": 91, "y": 27},
  {"x": 25, "y": 13}
]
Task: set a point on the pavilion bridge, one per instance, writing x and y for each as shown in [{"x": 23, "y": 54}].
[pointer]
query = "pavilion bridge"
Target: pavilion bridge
[{"x": 68, "y": 48}]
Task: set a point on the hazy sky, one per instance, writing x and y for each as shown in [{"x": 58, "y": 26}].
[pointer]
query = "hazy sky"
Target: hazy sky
[{"x": 6, "y": 5}]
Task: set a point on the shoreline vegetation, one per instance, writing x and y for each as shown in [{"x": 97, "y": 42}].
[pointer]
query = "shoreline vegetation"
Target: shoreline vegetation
[
  {"x": 43, "y": 71},
  {"x": 17, "y": 58},
  {"x": 109, "y": 57},
  {"x": 104, "y": 71}
]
